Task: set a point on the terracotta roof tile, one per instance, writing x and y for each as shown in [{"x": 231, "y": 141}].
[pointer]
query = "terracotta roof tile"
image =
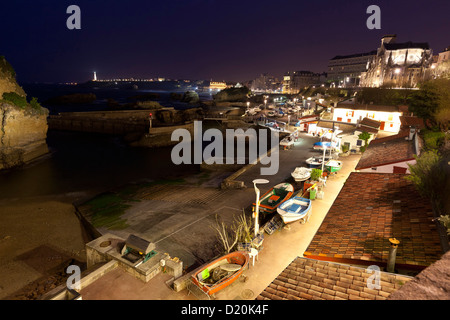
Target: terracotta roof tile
[
  {"x": 387, "y": 151},
  {"x": 370, "y": 209},
  {"x": 327, "y": 289}
]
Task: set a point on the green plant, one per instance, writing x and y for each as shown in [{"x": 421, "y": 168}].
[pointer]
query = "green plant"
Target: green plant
[
  {"x": 35, "y": 104},
  {"x": 426, "y": 175},
  {"x": 345, "y": 148},
  {"x": 433, "y": 139},
  {"x": 445, "y": 221},
  {"x": 316, "y": 174},
  {"x": 15, "y": 99}
]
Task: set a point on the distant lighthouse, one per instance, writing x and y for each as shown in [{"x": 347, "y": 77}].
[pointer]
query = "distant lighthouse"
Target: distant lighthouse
[{"x": 95, "y": 76}]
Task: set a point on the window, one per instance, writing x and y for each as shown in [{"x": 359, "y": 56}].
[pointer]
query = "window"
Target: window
[
  {"x": 339, "y": 119},
  {"x": 359, "y": 142},
  {"x": 390, "y": 117}
]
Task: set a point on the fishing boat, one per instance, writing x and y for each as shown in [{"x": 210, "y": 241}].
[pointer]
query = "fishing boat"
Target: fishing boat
[
  {"x": 321, "y": 145},
  {"x": 333, "y": 166},
  {"x": 269, "y": 201},
  {"x": 301, "y": 174},
  {"x": 296, "y": 208},
  {"x": 287, "y": 142},
  {"x": 315, "y": 162},
  {"x": 220, "y": 273}
]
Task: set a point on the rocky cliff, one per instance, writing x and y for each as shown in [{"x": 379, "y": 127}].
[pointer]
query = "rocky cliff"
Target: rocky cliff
[{"x": 23, "y": 125}]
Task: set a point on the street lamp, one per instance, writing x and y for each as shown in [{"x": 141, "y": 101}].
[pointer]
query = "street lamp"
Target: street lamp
[
  {"x": 256, "y": 215},
  {"x": 323, "y": 160}
]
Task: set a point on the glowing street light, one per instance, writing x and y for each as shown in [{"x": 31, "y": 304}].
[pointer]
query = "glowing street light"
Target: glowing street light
[{"x": 256, "y": 214}]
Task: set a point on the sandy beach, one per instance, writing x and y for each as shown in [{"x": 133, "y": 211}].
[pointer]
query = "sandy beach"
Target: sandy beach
[{"x": 39, "y": 238}]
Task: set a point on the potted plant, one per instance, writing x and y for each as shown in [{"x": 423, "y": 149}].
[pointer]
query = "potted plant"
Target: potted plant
[{"x": 315, "y": 175}]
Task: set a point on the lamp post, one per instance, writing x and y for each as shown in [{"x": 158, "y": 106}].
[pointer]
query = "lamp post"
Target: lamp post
[
  {"x": 256, "y": 215},
  {"x": 150, "y": 118},
  {"x": 323, "y": 160}
]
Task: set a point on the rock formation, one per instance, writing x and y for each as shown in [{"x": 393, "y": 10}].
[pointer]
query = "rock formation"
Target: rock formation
[{"x": 23, "y": 125}]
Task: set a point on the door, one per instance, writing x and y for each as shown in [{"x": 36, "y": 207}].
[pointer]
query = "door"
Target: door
[{"x": 382, "y": 125}]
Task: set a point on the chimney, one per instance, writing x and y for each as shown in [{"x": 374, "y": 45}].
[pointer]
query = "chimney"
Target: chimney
[
  {"x": 389, "y": 38},
  {"x": 412, "y": 132},
  {"x": 392, "y": 254}
]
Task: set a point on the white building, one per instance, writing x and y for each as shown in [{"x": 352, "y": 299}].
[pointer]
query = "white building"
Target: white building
[{"x": 388, "y": 116}]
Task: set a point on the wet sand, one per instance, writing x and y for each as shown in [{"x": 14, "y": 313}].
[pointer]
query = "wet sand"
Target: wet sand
[{"x": 39, "y": 238}]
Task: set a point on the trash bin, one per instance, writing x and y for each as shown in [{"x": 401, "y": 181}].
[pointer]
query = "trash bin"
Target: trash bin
[{"x": 312, "y": 194}]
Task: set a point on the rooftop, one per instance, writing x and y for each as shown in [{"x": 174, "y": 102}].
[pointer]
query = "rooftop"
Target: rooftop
[
  {"x": 406, "y": 45},
  {"x": 368, "y": 107},
  {"x": 410, "y": 121},
  {"x": 370, "y": 123},
  {"x": 371, "y": 53},
  {"x": 307, "y": 279},
  {"x": 370, "y": 209},
  {"x": 433, "y": 283},
  {"x": 387, "y": 150}
]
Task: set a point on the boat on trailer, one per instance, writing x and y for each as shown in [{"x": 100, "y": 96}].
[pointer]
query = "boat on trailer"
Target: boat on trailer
[
  {"x": 220, "y": 273},
  {"x": 269, "y": 201},
  {"x": 333, "y": 166},
  {"x": 301, "y": 174},
  {"x": 315, "y": 162},
  {"x": 296, "y": 208}
]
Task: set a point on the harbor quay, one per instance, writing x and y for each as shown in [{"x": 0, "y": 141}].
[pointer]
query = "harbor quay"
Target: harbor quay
[{"x": 178, "y": 218}]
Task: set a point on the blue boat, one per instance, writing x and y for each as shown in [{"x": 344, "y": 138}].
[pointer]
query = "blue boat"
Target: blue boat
[
  {"x": 296, "y": 208},
  {"x": 321, "y": 145}
]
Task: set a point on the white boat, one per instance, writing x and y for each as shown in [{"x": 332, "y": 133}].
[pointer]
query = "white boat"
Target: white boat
[
  {"x": 301, "y": 174},
  {"x": 287, "y": 142},
  {"x": 315, "y": 162},
  {"x": 294, "y": 209}
]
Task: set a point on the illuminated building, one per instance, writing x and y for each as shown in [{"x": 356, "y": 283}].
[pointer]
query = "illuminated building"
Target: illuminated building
[
  {"x": 401, "y": 65},
  {"x": 215, "y": 85},
  {"x": 295, "y": 81},
  {"x": 345, "y": 71}
]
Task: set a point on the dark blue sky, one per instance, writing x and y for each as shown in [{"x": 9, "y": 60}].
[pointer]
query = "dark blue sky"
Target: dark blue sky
[{"x": 203, "y": 39}]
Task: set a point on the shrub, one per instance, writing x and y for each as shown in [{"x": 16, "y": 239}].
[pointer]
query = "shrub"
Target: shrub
[
  {"x": 433, "y": 139},
  {"x": 35, "y": 104},
  {"x": 316, "y": 174},
  {"x": 15, "y": 99}
]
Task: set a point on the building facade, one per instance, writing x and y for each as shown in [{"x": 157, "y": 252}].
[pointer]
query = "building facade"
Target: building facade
[
  {"x": 295, "y": 81},
  {"x": 345, "y": 71},
  {"x": 398, "y": 65},
  {"x": 265, "y": 83},
  {"x": 388, "y": 116}
]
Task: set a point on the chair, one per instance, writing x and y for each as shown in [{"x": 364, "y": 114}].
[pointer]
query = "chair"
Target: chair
[{"x": 253, "y": 253}]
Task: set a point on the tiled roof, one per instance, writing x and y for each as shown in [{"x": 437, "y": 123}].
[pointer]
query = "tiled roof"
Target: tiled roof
[
  {"x": 433, "y": 283},
  {"x": 370, "y": 123},
  {"x": 346, "y": 127},
  {"x": 370, "y": 209},
  {"x": 308, "y": 279},
  {"x": 408, "y": 121},
  {"x": 387, "y": 150},
  {"x": 368, "y": 107}
]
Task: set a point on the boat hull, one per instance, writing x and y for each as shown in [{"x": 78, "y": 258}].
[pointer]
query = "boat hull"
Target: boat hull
[
  {"x": 301, "y": 174},
  {"x": 295, "y": 209},
  {"x": 283, "y": 190},
  {"x": 333, "y": 166},
  {"x": 237, "y": 257}
]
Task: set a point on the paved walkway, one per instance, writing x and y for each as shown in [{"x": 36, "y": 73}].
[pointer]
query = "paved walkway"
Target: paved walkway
[{"x": 279, "y": 249}]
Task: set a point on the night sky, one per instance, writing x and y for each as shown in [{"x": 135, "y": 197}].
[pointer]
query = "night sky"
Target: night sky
[{"x": 203, "y": 39}]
